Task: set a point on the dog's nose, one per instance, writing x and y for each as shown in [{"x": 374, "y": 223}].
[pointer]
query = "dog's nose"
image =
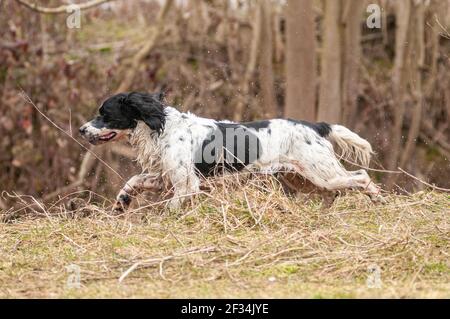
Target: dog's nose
[{"x": 82, "y": 130}]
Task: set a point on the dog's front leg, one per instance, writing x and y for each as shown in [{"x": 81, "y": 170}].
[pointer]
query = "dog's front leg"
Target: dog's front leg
[
  {"x": 185, "y": 184},
  {"x": 135, "y": 186}
]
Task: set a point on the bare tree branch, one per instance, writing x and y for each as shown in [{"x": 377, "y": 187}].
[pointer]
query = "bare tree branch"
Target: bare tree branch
[
  {"x": 62, "y": 8},
  {"x": 146, "y": 48}
]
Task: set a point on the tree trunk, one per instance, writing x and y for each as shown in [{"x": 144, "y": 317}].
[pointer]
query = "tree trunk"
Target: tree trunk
[
  {"x": 351, "y": 59},
  {"x": 447, "y": 20},
  {"x": 403, "y": 12},
  {"x": 331, "y": 64},
  {"x": 278, "y": 36},
  {"x": 266, "y": 77},
  {"x": 419, "y": 59},
  {"x": 300, "y": 60},
  {"x": 251, "y": 65}
]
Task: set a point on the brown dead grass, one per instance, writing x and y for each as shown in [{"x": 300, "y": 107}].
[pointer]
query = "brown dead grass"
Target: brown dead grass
[{"x": 246, "y": 240}]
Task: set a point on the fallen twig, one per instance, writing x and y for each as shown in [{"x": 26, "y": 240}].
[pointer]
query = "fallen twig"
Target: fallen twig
[
  {"x": 160, "y": 260},
  {"x": 425, "y": 183}
]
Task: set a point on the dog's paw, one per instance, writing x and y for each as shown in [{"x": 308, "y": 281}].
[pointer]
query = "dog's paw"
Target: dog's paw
[
  {"x": 174, "y": 204},
  {"x": 117, "y": 209},
  {"x": 328, "y": 198},
  {"x": 378, "y": 199},
  {"x": 121, "y": 205}
]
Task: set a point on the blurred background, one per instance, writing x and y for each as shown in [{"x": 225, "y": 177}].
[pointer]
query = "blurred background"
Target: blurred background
[{"x": 379, "y": 67}]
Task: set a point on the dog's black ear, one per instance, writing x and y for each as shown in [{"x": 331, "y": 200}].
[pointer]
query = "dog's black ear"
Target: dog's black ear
[
  {"x": 160, "y": 96},
  {"x": 147, "y": 108}
]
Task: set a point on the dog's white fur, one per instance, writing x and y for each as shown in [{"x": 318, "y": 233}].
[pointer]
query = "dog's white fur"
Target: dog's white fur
[{"x": 168, "y": 158}]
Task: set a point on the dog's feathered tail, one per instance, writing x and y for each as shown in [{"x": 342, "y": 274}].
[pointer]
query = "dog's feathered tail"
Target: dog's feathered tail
[{"x": 352, "y": 146}]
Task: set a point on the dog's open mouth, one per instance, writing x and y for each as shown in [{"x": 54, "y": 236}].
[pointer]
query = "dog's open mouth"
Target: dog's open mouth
[{"x": 107, "y": 137}]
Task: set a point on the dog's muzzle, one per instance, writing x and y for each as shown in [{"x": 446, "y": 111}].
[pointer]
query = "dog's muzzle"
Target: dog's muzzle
[{"x": 96, "y": 136}]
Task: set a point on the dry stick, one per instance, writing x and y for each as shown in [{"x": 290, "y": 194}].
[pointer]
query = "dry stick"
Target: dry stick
[
  {"x": 425, "y": 183},
  {"x": 124, "y": 86},
  {"x": 140, "y": 55},
  {"x": 447, "y": 33},
  {"x": 23, "y": 202},
  {"x": 250, "y": 209},
  {"x": 63, "y": 8},
  {"x": 400, "y": 171},
  {"x": 37, "y": 203},
  {"x": 70, "y": 122},
  {"x": 368, "y": 168},
  {"x": 28, "y": 100},
  {"x": 151, "y": 261},
  {"x": 224, "y": 214}
]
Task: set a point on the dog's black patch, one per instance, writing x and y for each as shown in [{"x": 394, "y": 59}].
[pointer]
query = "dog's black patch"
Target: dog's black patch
[
  {"x": 125, "y": 199},
  {"x": 321, "y": 128},
  {"x": 257, "y": 125},
  {"x": 229, "y": 147}
]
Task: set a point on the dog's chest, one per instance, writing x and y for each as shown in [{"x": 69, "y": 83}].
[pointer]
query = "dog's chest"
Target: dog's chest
[{"x": 146, "y": 145}]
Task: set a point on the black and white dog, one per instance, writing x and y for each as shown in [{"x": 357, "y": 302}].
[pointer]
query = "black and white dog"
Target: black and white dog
[{"x": 178, "y": 149}]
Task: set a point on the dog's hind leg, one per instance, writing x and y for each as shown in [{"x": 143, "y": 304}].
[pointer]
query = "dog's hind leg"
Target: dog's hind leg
[
  {"x": 317, "y": 162},
  {"x": 135, "y": 186},
  {"x": 329, "y": 174},
  {"x": 298, "y": 185}
]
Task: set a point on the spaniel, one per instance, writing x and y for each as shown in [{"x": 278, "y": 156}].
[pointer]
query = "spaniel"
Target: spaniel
[{"x": 180, "y": 149}]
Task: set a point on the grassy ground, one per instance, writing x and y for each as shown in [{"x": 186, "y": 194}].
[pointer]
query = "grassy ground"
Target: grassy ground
[{"x": 249, "y": 241}]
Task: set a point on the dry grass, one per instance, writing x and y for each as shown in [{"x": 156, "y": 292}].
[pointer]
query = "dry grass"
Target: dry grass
[{"x": 245, "y": 241}]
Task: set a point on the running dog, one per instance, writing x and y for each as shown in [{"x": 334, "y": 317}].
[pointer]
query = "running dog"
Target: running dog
[{"x": 179, "y": 149}]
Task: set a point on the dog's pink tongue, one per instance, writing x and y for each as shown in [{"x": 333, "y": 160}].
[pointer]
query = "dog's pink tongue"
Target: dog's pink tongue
[{"x": 108, "y": 136}]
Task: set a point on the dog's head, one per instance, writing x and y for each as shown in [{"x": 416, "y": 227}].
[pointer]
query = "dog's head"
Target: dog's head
[{"x": 119, "y": 114}]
